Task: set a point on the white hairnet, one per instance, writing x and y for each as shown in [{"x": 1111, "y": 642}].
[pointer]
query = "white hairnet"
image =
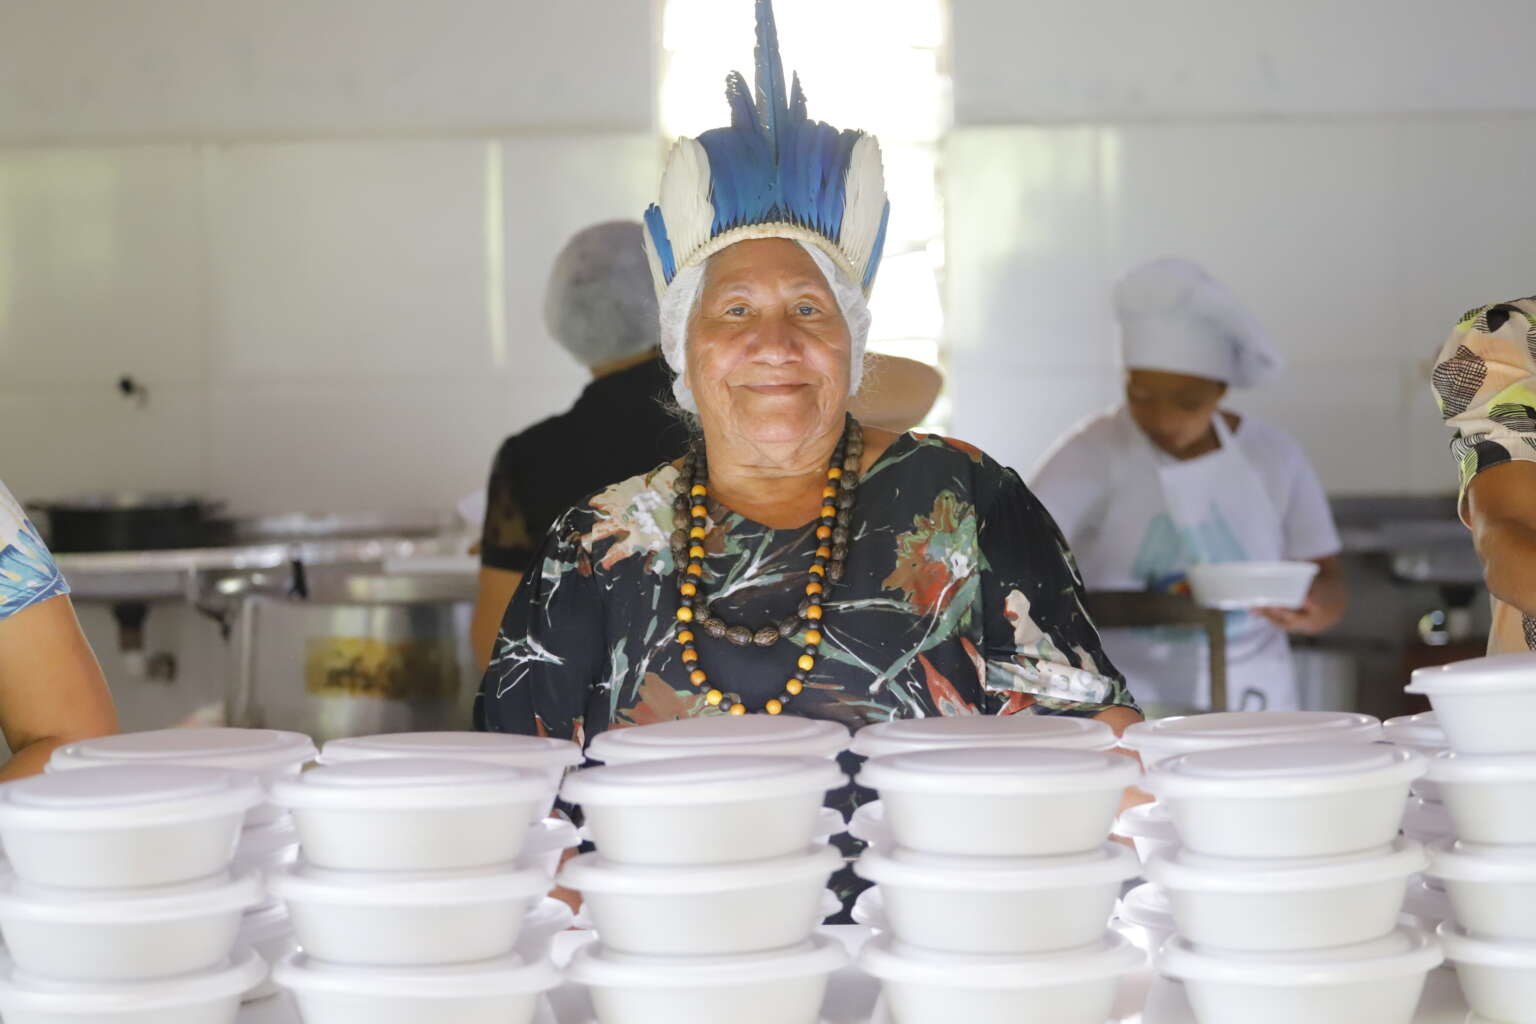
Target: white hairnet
[
  {"x": 1177, "y": 318},
  {"x": 683, "y": 294},
  {"x": 600, "y": 304}
]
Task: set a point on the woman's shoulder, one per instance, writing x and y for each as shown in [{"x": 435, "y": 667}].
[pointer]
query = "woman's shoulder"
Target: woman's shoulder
[
  {"x": 633, "y": 516},
  {"x": 950, "y": 463}
]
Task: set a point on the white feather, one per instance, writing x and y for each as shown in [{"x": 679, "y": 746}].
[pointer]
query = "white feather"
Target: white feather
[
  {"x": 865, "y": 204},
  {"x": 685, "y": 204}
]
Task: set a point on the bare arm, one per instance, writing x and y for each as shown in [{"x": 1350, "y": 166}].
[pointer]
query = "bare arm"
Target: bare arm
[
  {"x": 1501, "y": 509},
  {"x": 52, "y": 691},
  {"x": 496, "y": 589},
  {"x": 1324, "y": 606}
]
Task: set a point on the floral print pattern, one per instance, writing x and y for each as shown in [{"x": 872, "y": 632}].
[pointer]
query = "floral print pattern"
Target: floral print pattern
[{"x": 27, "y": 571}]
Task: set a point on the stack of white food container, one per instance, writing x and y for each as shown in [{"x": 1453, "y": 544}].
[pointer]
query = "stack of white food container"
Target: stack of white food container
[
  {"x": 268, "y": 840},
  {"x": 1288, "y": 884},
  {"x": 1487, "y": 780},
  {"x": 996, "y": 878},
  {"x": 708, "y": 881},
  {"x": 120, "y": 906}
]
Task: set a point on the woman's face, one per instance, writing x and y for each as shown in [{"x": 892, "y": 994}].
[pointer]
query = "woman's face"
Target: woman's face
[
  {"x": 1174, "y": 410},
  {"x": 767, "y": 355}
]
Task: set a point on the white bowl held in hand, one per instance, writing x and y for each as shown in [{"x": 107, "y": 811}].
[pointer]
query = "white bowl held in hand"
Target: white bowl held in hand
[
  {"x": 1491, "y": 888},
  {"x": 1489, "y": 797},
  {"x": 1188, "y": 734},
  {"x": 703, "y": 810},
  {"x": 1000, "y": 801},
  {"x": 408, "y": 919},
  {"x": 700, "y": 911},
  {"x": 783, "y": 987},
  {"x": 548, "y": 756},
  {"x": 1072, "y": 987},
  {"x": 998, "y": 905},
  {"x": 906, "y": 735},
  {"x": 501, "y": 991},
  {"x": 1233, "y": 586},
  {"x": 1497, "y": 978},
  {"x": 1377, "y": 982},
  {"x": 1271, "y": 906},
  {"x": 403, "y": 814},
  {"x": 1149, "y": 828},
  {"x": 721, "y": 736},
  {"x": 124, "y": 827},
  {"x": 1421, "y": 734},
  {"x": 212, "y": 997},
  {"x": 1286, "y": 799},
  {"x": 1484, "y": 705}
]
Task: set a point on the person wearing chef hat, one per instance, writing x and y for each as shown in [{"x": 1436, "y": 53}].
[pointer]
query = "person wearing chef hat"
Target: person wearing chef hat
[{"x": 1169, "y": 479}]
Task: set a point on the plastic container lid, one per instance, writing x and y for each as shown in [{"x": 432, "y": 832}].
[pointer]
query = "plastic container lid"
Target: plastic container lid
[
  {"x": 258, "y": 842},
  {"x": 712, "y": 735},
  {"x": 1496, "y": 673},
  {"x": 1454, "y": 861},
  {"x": 1190, "y": 872},
  {"x": 594, "y": 965},
  {"x": 701, "y": 780},
  {"x": 885, "y": 958},
  {"x": 413, "y": 888},
  {"x": 1427, "y": 902},
  {"x": 1408, "y": 950},
  {"x": 1421, "y": 731},
  {"x": 1463, "y": 948},
  {"x": 414, "y": 783},
  {"x": 1147, "y": 821},
  {"x": 1184, "y": 734},
  {"x": 1449, "y": 766},
  {"x": 1424, "y": 819},
  {"x": 1147, "y": 906},
  {"x": 504, "y": 976},
  {"x": 999, "y": 771},
  {"x": 21, "y": 901},
  {"x": 548, "y": 915},
  {"x": 125, "y": 796},
  {"x": 591, "y": 873},
  {"x": 267, "y": 924},
  {"x": 1284, "y": 769},
  {"x": 508, "y": 750},
  {"x": 242, "y": 750},
  {"x": 548, "y": 835},
  {"x": 1112, "y": 862},
  {"x": 22, "y": 993},
  {"x": 905, "y": 735}
]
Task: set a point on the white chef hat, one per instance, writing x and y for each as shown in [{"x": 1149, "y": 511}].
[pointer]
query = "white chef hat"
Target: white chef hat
[{"x": 1177, "y": 318}]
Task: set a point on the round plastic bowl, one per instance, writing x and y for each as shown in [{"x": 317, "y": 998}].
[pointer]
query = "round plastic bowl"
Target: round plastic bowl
[
  {"x": 265, "y": 848},
  {"x": 548, "y": 756},
  {"x": 1287, "y": 799},
  {"x": 212, "y": 997},
  {"x": 1428, "y": 902},
  {"x": 408, "y": 919},
  {"x": 905, "y": 735},
  {"x": 500, "y": 991},
  {"x": 1421, "y": 734},
  {"x": 1149, "y": 828},
  {"x": 548, "y": 918},
  {"x": 1287, "y": 905},
  {"x": 703, "y": 810},
  {"x": 721, "y": 735},
  {"x": 405, "y": 814},
  {"x": 784, "y": 987},
  {"x": 867, "y": 824},
  {"x": 1485, "y": 705},
  {"x": 1498, "y": 979},
  {"x": 1146, "y": 908},
  {"x": 547, "y": 841},
  {"x": 1491, "y": 888},
  {"x": 701, "y": 911},
  {"x": 267, "y": 753},
  {"x": 1378, "y": 981},
  {"x": 1072, "y": 987},
  {"x": 998, "y": 905},
  {"x": 270, "y": 933},
  {"x": 95, "y": 935},
  {"x": 1000, "y": 802},
  {"x": 1238, "y": 585},
  {"x": 869, "y": 909},
  {"x": 1489, "y": 797},
  {"x": 1426, "y": 820},
  {"x": 1188, "y": 734},
  {"x": 125, "y": 826}
]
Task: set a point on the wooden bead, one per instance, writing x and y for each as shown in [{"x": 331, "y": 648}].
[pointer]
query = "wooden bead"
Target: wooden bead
[
  {"x": 695, "y": 569},
  {"x": 828, "y": 511},
  {"x": 818, "y": 570},
  {"x": 789, "y": 626},
  {"x": 813, "y": 637},
  {"x": 685, "y": 614},
  {"x": 697, "y": 533},
  {"x": 688, "y": 589},
  {"x": 823, "y": 552},
  {"x": 699, "y": 512},
  {"x": 715, "y": 627},
  {"x": 698, "y": 490},
  {"x": 690, "y": 656},
  {"x": 713, "y": 698},
  {"x": 696, "y": 552},
  {"x": 766, "y": 637},
  {"x": 697, "y": 677},
  {"x": 793, "y": 687},
  {"x": 738, "y": 709},
  {"x": 685, "y": 636},
  {"x": 829, "y": 492},
  {"x": 813, "y": 588},
  {"x": 740, "y": 636},
  {"x": 813, "y": 612},
  {"x": 773, "y": 707},
  {"x": 834, "y": 473},
  {"x": 806, "y": 662},
  {"x": 823, "y": 532}
]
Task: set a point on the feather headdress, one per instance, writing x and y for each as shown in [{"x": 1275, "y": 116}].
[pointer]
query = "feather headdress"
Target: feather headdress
[{"x": 773, "y": 173}]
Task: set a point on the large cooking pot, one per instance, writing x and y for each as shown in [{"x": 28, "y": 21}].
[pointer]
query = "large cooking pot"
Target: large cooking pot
[{"x": 129, "y": 522}]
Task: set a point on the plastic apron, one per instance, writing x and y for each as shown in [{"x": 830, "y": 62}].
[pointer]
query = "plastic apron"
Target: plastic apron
[{"x": 1163, "y": 516}]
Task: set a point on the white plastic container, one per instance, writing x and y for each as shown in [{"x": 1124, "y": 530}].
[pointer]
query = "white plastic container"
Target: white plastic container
[
  {"x": 124, "y": 826},
  {"x": 265, "y": 848},
  {"x": 1498, "y": 979},
  {"x": 268, "y": 754},
  {"x": 1421, "y": 734},
  {"x": 1187, "y": 734},
  {"x": 1286, "y": 799},
  {"x": 1377, "y": 982},
  {"x": 1274, "y": 906},
  {"x": 906, "y": 735},
  {"x": 867, "y": 824},
  {"x": 1491, "y": 888},
  {"x": 1489, "y": 797},
  {"x": 1426, "y": 821},
  {"x": 1000, "y": 801},
  {"x": 501, "y": 991},
  {"x": 546, "y": 842},
  {"x": 1149, "y": 828},
  {"x": 869, "y": 909},
  {"x": 543, "y": 754},
  {"x": 998, "y": 905},
  {"x": 784, "y": 987},
  {"x": 209, "y": 998},
  {"x": 1485, "y": 705},
  {"x": 1072, "y": 987},
  {"x": 408, "y": 919},
  {"x": 548, "y": 918},
  {"x": 413, "y": 814},
  {"x": 1147, "y": 910},
  {"x": 97, "y": 935},
  {"x": 721, "y": 736},
  {"x": 719, "y": 910},
  {"x": 703, "y": 810},
  {"x": 1427, "y": 901},
  {"x": 270, "y": 933},
  {"x": 1237, "y": 585}
]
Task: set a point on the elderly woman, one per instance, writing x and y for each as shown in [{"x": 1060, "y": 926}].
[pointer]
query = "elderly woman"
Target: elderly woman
[{"x": 793, "y": 562}]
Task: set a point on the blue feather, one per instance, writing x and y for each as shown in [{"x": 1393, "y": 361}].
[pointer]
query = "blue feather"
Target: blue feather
[
  {"x": 772, "y": 105},
  {"x": 657, "y": 225},
  {"x": 878, "y": 250}
]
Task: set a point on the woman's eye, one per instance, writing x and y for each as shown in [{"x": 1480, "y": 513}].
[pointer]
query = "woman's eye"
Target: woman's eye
[
  {"x": 806, "y": 309},
  {"x": 736, "y": 311}
]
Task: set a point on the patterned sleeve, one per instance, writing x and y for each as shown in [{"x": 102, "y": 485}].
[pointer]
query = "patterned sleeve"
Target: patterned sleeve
[
  {"x": 1041, "y": 650},
  {"x": 27, "y": 572},
  {"x": 1485, "y": 383}
]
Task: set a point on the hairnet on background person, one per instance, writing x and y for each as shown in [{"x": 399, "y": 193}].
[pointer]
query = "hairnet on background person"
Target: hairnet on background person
[
  {"x": 600, "y": 304},
  {"x": 1175, "y": 317}
]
